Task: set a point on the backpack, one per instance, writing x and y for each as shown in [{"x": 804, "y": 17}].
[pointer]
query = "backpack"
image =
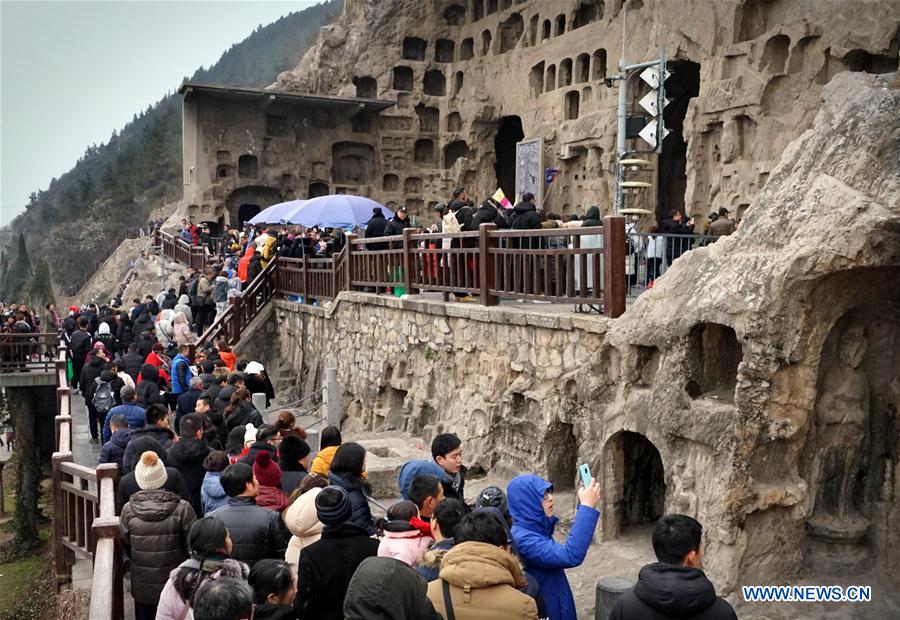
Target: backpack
[
  {"x": 103, "y": 396},
  {"x": 450, "y": 223}
]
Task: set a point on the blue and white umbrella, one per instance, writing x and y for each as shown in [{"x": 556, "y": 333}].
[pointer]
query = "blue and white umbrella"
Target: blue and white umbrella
[
  {"x": 336, "y": 211},
  {"x": 276, "y": 213}
]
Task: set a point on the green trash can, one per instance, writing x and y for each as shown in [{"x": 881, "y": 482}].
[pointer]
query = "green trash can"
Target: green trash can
[{"x": 396, "y": 275}]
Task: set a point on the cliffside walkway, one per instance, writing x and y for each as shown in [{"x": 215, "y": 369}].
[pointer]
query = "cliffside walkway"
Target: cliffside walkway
[{"x": 580, "y": 267}]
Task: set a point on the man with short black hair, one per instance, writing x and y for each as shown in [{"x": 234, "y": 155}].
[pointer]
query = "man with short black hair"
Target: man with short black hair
[
  {"x": 129, "y": 408},
  {"x": 79, "y": 345},
  {"x": 446, "y": 449},
  {"x": 481, "y": 573},
  {"x": 444, "y": 521},
  {"x": 675, "y": 586},
  {"x": 187, "y": 402},
  {"x": 157, "y": 427},
  {"x": 256, "y": 533},
  {"x": 113, "y": 450},
  {"x": 188, "y": 454},
  {"x": 426, "y": 492}
]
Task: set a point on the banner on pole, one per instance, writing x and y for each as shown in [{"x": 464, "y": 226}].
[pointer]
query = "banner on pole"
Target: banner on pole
[{"x": 500, "y": 198}]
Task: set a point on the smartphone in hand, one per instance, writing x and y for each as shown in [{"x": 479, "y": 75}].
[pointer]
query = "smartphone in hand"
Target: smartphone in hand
[{"x": 586, "y": 476}]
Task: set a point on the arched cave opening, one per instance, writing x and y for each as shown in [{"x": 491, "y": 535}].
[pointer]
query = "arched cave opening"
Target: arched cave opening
[
  {"x": 246, "y": 212},
  {"x": 681, "y": 87},
  {"x": 318, "y": 188},
  {"x": 635, "y": 481},
  {"x": 713, "y": 359},
  {"x": 509, "y": 132}
]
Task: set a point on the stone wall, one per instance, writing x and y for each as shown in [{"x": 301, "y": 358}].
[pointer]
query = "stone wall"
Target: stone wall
[
  {"x": 471, "y": 77},
  {"x": 755, "y": 387}
]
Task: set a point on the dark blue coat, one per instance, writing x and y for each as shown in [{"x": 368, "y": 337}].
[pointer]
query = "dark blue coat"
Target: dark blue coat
[
  {"x": 133, "y": 413},
  {"x": 361, "y": 516},
  {"x": 545, "y": 558},
  {"x": 113, "y": 451}
]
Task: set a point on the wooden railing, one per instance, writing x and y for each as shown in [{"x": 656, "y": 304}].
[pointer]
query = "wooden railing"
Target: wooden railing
[
  {"x": 579, "y": 266},
  {"x": 177, "y": 249},
  {"x": 85, "y": 524},
  {"x": 229, "y": 325},
  {"x": 28, "y": 352}
]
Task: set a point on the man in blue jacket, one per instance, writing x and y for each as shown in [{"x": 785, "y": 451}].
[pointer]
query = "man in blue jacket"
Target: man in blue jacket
[
  {"x": 531, "y": 507},
  {"x": 133, "y": 413},
  {"x": 181, "y": 371}
]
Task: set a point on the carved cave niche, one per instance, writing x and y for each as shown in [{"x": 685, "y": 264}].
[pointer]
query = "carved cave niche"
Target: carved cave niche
[
  {"x": 491, "y": 7},
  {"x": 455, "y": 150},
  {"x": 467, "y": 49},
  {"x": 560, "y": 24},
  {"x": 561, "y": 449},
  {"x": 546, "y": 29},
  {"x": 862, "y": 60},
  {"x": 318, "y": 188},
  {"x": 588, "y": 11},
  {"x": 353, "y": 163},
  {"x": 455, "y": 15},
  {"x": 550, "y": 78},
  {"x": 390, "y": 183},
  {"x": 429, "y": 118},
  {"x": 423, "y": 151},
  {"x": 224, "y": 171},
  {"x": 486, "y": 37},
  {"x": 458, "y": 80},
  {"x": 413, "y": 48},
  {"x": 366, "y": 87},
  {"x": 633, "y": 482},
  {"x": 536, "y": 79},
  {"x": 598, "y": 65},
  {"x": 477, "y": 9},
  {"x": 714, "y": 354},
  {"x": 403, "y": 78},
  {"x": 582, "y": 68},
  {"x": 444, "y": 50},
  {"x": 850, "y": 457},
  {"x": 454, "y": 122},
  {"x": 573, "y": 100},
  {"x": 248, "y": 166},
  {"x": 434, "y": 83},
  {"x": 775, "y": 54},
  {"x": 511, "y": 30},
  {"x": 412, "y": 185},
  {"x": 565, "y": 72}
]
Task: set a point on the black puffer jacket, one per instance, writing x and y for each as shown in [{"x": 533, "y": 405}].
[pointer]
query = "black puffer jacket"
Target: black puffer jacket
[
  {"x": 162, "y": 435},
  {"x": 357, "y": 490},
  {"x": 187, "y": 456},
  {"x": 242, "y": 415},
  {"x": 140, "y": 325},
  {"x": 488, "y": 214},
  {"x": 91, "y": 371},
  {"x": 256, "y": 533},
  {"x": 148, "y": 388},
  {"x": 131, "y": 363},
  {"x": 375, "y": 228},
  {"x": 666, "y": 591},
  {"x": 223, "y": 398},
  {"x": 321, "y": 581},
  {"x": 154, "y": 526}
]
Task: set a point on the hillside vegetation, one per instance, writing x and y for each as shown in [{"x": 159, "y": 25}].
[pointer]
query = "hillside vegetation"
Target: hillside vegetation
[{"x": 72, "y": 222}]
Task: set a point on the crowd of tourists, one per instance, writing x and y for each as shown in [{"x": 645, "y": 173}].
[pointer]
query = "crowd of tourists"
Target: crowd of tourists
[{"x": 234, "y": 517}]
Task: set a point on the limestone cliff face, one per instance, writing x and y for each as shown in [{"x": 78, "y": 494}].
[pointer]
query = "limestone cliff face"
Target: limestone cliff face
[
  {"x": 755, "y": 387},
  {"x": 748, "y": 79}
]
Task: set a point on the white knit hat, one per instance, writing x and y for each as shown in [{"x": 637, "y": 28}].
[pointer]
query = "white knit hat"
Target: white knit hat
[
  {"x": 249, "y": 434},
  {"x": 150, "y": 473}
]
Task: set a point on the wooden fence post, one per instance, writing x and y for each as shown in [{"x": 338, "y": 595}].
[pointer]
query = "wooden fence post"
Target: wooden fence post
[
  {"x": 613, "y": 265},
  {"x": 486, "y": 269},
  {"x": 408, "y": 261},
  {"x": 349, "y": 266},
  {"x": 304, "y": 280},
  {"x": 236, "y": 303},
  {"x": 62, "y": 556}
]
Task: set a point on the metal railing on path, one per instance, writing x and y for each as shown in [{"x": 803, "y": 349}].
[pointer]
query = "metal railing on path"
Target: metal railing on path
[{"x": 649, "y": 255}]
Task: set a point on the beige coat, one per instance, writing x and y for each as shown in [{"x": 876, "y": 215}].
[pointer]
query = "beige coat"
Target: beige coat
[
  {"x": 483, "y": 581},
  {"x": 300, "y": 518}
]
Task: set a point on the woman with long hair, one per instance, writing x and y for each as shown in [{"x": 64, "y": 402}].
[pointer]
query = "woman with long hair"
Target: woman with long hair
[
  {"x": 347, "y": 472},
  {"x": 239, "y": 412},
  {"x": 210, "y": 546}
]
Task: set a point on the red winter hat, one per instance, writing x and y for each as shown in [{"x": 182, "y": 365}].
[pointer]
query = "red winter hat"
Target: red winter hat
[{"x": 267, "y": 472}]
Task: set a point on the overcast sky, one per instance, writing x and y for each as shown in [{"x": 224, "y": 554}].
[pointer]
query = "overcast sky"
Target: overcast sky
[{"x": 72, "y": 71}]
